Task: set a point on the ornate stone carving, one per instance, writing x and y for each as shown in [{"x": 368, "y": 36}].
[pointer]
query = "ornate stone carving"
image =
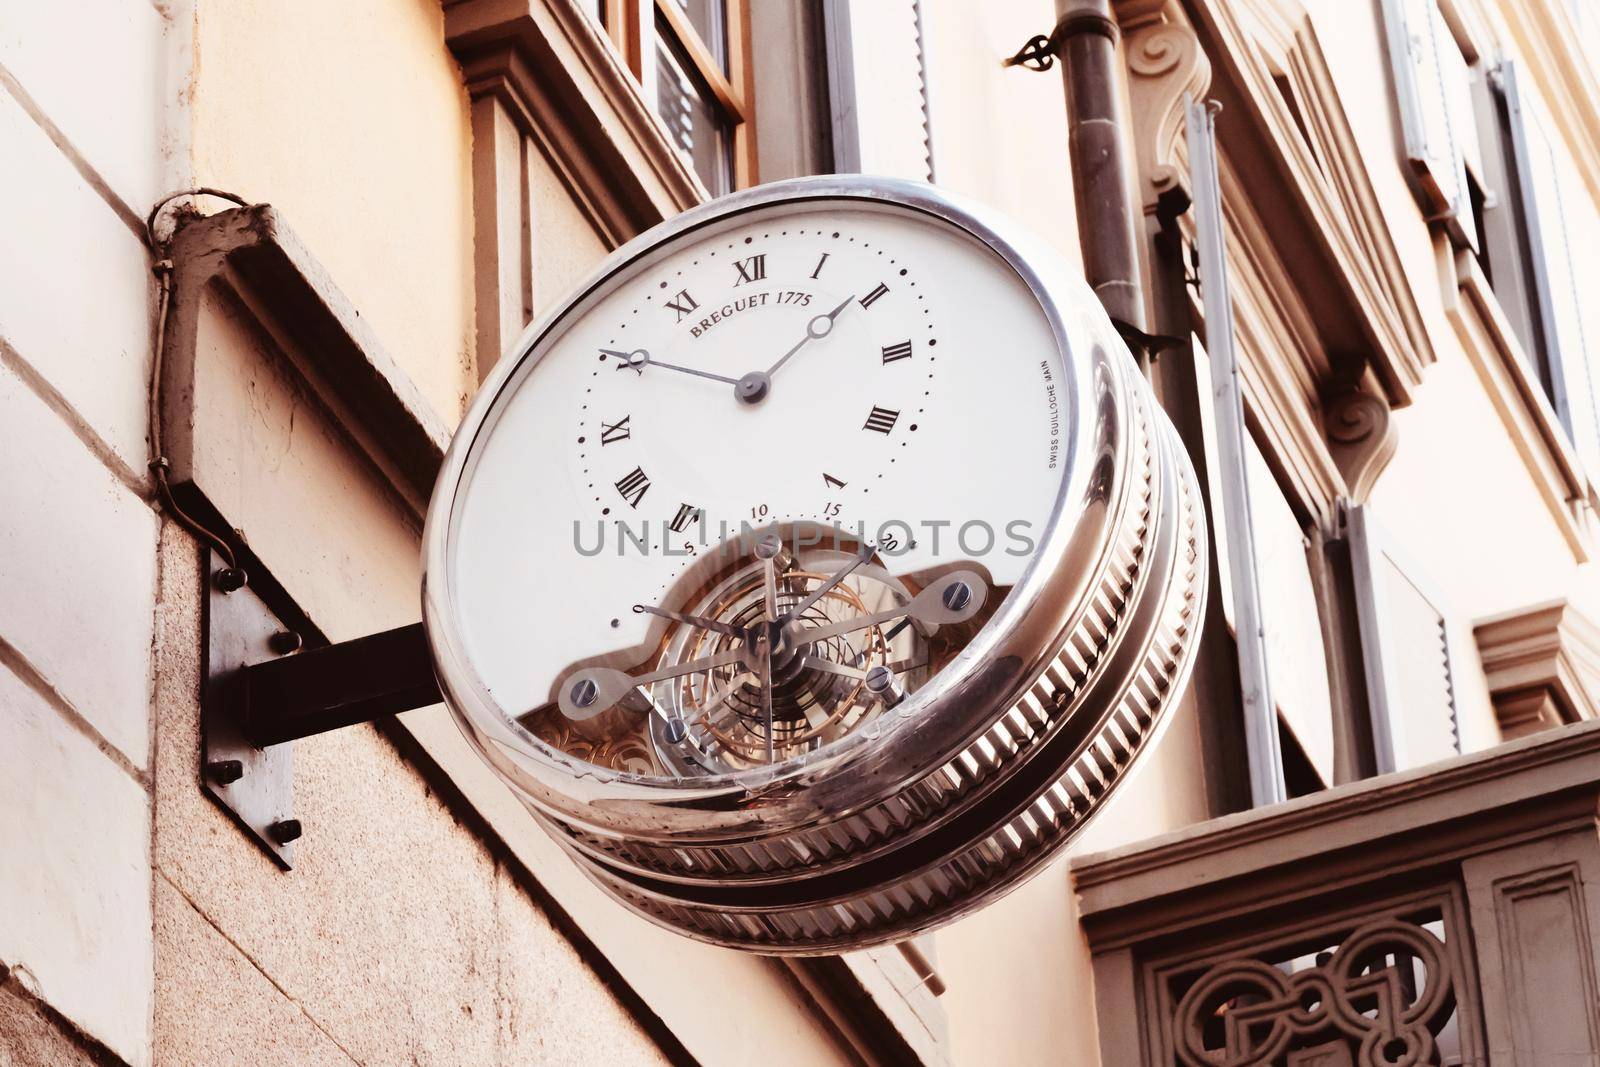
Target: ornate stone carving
[
  {"x": 1363, "y": 1004},
  {"x": 1361, "y": 438},
  {"x": 1165, "y": 65}
]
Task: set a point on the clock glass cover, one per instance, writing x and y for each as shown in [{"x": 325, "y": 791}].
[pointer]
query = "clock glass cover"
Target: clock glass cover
[{"x": 807, "y": 477}]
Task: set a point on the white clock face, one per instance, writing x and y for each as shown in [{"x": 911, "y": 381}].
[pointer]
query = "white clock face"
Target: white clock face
[{"x": 719, "y": 431}]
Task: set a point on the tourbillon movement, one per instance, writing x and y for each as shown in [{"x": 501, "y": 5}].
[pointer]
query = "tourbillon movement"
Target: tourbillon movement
[{"x": 818, "y": 568}]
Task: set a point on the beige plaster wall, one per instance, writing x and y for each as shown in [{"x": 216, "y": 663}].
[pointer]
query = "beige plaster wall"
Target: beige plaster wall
[
  {"x": 398, "y": 937},
  {"x": 351, "y": 118},
  {"x": 999, "y": 133}
]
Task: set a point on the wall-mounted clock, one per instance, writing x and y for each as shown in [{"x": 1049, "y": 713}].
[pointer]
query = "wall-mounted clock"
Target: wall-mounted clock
[{"x": 818, "y": 568}]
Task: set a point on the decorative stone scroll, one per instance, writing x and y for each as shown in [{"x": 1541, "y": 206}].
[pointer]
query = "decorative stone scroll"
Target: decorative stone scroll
[
  {"x": 1165, "y": 66},
  {"x": 1361, "y": 438}
]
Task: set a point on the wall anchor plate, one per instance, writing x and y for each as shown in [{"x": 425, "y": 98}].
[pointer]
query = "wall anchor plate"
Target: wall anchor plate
[{"x": 253, "y": 785}]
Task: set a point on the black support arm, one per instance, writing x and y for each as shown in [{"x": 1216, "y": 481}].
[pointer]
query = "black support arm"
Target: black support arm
[{"x": 338, "y": 685}]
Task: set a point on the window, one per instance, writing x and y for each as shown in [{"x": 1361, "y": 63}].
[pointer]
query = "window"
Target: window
[
  {"x": 692, "y": 60},
  {"x": 1487, "y": 163},
  {"x": 1541, "y": 250}
]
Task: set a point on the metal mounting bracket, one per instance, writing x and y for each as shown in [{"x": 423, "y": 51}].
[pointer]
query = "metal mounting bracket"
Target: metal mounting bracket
[
  {"x": 254, "y": 785},
  {"x": 270, "y": 677},
  {"x": 1039, "y": 54}
]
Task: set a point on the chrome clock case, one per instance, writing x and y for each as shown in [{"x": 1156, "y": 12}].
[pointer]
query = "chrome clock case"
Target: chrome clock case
[{"x": 977, "y": 778}]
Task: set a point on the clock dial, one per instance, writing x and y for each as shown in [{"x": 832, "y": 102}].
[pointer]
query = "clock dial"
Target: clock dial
[{"x": 868, "y": 386}]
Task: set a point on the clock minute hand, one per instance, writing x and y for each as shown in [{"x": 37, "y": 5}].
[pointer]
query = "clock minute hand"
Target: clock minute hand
[
  {"x": 819, "y": 327},
  {"x": 639, "y": 359}
]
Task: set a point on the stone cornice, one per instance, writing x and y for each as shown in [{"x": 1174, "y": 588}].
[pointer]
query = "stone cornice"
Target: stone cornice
[
  {"x": 253, "y": 256},
  {"x": 1542, "y": 664}
]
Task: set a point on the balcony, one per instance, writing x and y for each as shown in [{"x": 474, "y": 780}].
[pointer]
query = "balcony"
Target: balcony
[{"x": 1445, "y": 915}]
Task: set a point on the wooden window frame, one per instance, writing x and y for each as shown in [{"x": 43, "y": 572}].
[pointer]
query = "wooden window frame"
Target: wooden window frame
[{"x": 631, "y": 25}]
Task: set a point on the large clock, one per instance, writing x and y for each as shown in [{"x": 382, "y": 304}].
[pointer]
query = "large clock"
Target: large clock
[{"x": 818, "y": 568}]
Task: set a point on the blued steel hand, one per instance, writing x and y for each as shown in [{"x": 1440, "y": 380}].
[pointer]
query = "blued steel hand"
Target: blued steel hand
[
  {"x": 639, "y": 359},
  {"x": 818, "y": 328}
]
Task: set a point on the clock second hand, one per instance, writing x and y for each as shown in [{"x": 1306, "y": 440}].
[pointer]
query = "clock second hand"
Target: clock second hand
[{"x": 838, "y": 576}]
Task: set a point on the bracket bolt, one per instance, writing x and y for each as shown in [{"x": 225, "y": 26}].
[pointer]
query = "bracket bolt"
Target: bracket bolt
[
  {"x": 225, "y": 771},
  {"x": 584, "y": 693},
  {"x": 231, "y": 579},
  {"x": 285, "y": 830},
  {"x": 285, "y": 641}
]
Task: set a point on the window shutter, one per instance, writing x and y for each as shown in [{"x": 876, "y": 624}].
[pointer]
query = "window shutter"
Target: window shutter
[
  {"x": 878, "y": 80},
  {"x": 1291, "y": 630},
  {"x": 1228, "y": 470},
  {"x": 1405, "y": 645},
  {"x": 1434, "y": 94},
  {"x": 1563, "y": 230}
]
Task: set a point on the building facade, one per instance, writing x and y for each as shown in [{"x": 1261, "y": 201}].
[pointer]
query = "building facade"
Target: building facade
[{"x": 1364, "y": 287}]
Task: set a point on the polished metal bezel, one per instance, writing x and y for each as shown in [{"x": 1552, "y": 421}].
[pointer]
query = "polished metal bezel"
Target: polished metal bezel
[{"x": 1041, "y": 582}]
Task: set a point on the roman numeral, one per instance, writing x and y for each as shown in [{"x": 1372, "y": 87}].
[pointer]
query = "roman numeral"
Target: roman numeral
[
  {"x": 830, "y": 481},
  {"x": 633, "y": 486},
  {"x": 820, "y": 262},
  {"x": 897, "y": 351},
  {"x": 610, "y": 434},
  {"x": 683, "y": 303},
  {"x": 867, "y": 300},
  {"x": 753, "y": 269},
  {"x": 881, "y": 420},
  {"x": 687, "y": 513}
]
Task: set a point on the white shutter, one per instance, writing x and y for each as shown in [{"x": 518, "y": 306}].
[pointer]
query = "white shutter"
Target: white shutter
[
  {"x": 1433, "y": 92},
  {"x": 1564, "y": 240},
  {"x": 1405, "y": 647},
  {"x": 1227, "y": 437},
  {"x": 880, "y": 89},
  {"x": 1291, "y": 629}
]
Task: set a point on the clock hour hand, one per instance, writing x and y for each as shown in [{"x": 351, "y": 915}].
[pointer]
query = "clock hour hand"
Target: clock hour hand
[
  {"x": 818, "y": 328},
  {"x": 639, "y": 359}
]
